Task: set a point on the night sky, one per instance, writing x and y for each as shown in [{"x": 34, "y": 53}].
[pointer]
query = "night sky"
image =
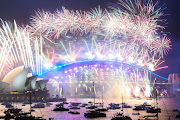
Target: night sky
[{"x": 22, "y": 10}]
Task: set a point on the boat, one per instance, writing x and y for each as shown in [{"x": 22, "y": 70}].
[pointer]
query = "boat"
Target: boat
[
  {"x": 149, "y": 99},
  {"x": 102, "y": 106},
  {"x": 102, "y": 109},
  {"x": 153, "y": 110},
  {"x": 73, "y": 112},
  {"x": 148, "y": 117},
  {"x": 91, "y": 107},
  {"x": 59, "y": 104},
  {"x": 64, "y": 102},
  {"x": 75, "y": 104},
  {"x": 98, "y": 103},
  {"x": 178, "y": 116},
  {"x": 176, "y": 110},
  {"x": 57, "y": 99},
  {"x": 114, "y": 106},
  {"x": 13, "y": 110},
  {"x": 28, "y": 117},
  {"x": 74, "y": 107},
  {"x": 90, "y": 102},
  {"x": 32, "y": 110},
  {"x": 94, "y": 114},
  {"x": 7, "y": 116},
  {"x": 4, "y": 103},
  {"x": 146, "y": 104},
  {"x": 39, "y": 105},
  {"x": 136, "y": 113},
  {"x": 60, "y": 108},
  {"x": 124, "y": 105},
  {"x": 48, "y": 104},
  {"x": 22, "y": 113},
  {"x": 9, "y": 105},
  {"x": 140, "y": 107},
  {"x": 27, "y": 102},
  {"x": 120, "y": 116},
  {"x": 84, "y": 105},
  {"x": 23, "y": 104}
]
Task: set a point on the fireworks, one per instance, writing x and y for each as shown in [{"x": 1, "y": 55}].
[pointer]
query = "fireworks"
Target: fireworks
[
  {"x": 18, "y": 47},
  {"x": 134, "y": 29}
]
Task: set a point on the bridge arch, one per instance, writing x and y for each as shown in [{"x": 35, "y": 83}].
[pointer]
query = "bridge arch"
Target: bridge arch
[
  {"x": 126, "y": 77},
  {"x": 98, "y": 63}
]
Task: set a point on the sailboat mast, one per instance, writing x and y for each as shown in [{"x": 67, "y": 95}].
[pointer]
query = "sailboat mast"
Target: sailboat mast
[
  {"x": 75, "y": 93},
  {"x": 94, "y": 93},
  {"x": 30, "y": 97},
  {"x": 157, "y": 104},
  {"x": 102, "y": 100},
  {"x": 62, "y": 91},
  {"x": 122, "y": 102}
]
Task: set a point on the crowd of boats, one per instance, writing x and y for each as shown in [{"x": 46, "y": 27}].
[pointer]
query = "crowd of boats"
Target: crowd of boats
[
  {"x": 94, "y": 110},
  {"x": 14, "y": 113},
  {"x": 97, "y": 109}
]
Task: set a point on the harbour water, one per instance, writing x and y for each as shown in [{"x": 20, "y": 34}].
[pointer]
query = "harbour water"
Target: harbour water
[{"x": 167, "y": 105}]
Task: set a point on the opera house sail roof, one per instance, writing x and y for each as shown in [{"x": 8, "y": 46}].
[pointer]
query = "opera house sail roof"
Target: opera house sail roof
[
  {"x": 20, "y": 80},
  {"x": 12, "y": 74},
  {"x": 31, "y": 83},
  {"x": 3, "y": 85}
]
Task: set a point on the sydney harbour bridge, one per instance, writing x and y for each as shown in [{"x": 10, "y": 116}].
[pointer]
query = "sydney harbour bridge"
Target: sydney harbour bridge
[{"x": 110, "y": 77}]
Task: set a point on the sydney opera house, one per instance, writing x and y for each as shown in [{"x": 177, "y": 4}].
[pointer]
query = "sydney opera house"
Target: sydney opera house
[{"x": 19, "y": 84}]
